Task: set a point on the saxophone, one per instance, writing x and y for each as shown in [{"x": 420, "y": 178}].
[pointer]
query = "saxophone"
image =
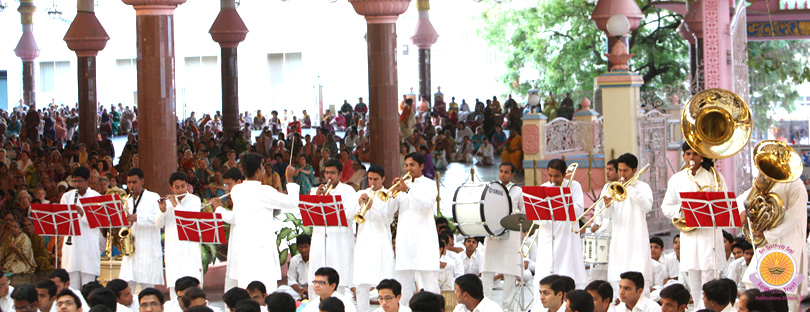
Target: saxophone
[{"x": 125, "y": 239}]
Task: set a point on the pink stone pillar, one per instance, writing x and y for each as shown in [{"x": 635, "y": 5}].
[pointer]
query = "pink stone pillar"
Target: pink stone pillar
[
  {"x": 606, "y": 8},
  {"x": 229, "y": 30},
  {"x": 381, "y": 17},
  {"x": 157, "y": 137},
  {"x": 86, "y": 37},
  {"x": 694, "y": 25},
  {"x": 424, "y": 37},
  {"x": 27, "y": 50}
]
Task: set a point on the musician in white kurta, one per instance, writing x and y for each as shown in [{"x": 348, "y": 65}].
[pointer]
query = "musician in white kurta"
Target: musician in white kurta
[
  {"x": 81, "y": 258},
  {"x": 373, "y": 254},
  {"x": 698, "y": 255},
  {"x": 790, "y": 233},
  {"x": 141, "y": 267},
  {"x": 630, "y": 240},
  {"x": 336, "y": 241},
  {"x": 501, "y": 254},
  {"x": 601, "y": 224},
  {"x": 183, "y": 258},
  {"x": 232, "y": 177},
  {"x": 417, "y": 263}
]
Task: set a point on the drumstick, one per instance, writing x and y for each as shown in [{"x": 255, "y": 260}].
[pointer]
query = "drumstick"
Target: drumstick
[{"x": 291, "y": 149}]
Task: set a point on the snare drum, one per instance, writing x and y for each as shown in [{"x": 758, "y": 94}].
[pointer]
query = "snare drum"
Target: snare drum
[
  {"x": 479, "y": 207},
  {"x": 450, "y": 300},
  {"x": 595, "y": 248}
]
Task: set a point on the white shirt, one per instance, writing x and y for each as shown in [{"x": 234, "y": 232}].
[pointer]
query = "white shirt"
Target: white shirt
[
  {"x": 486, "y": 305},
  {"x": 402, "y": 308},
  {"x": 313, "y": 304},
  {"x": 473, "y": 264},
  {"x": 735, "y": 272},
  {"x": 336, "y": 241},
  {"x": 417, "y": 240},
  {"x": 297, "y": 271},
  {"x": 447, "y": 276},
  {"x": 644, "y": 304},
  {"x": 84, "y": 253},
  {"x": 141, "y": 267},
  {"x": 671, "y": 263},
  {"x": 659, "y": 275},
  {"x": 486, "y": 151},
  {"x": 119, "y": 307},
  {"x": 458, "y": 262},
  {"x": 7, "y": 304}
]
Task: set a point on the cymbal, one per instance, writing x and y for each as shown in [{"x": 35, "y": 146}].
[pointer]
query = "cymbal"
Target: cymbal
[{"x": 513, "y": 222}]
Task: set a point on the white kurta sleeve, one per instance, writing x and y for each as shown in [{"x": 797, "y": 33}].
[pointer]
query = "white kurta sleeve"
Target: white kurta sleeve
[
  {"x": 641, "y": 195},
  {"x": 602, "y": 218},
  {"x": 421, "y": 197},
  {"x": 579, "y": 199},
  {"x": 671, "y": 205},
  {"x": 795, "y": 213},
  {"x": 227, "y": 215},
  {"x": 160, "y": 220}
]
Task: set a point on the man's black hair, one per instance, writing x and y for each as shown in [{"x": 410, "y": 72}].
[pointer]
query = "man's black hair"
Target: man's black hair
[
  {"x": 568, "y": 282},
  {"x": 61, "y": 274},
  {"x": 391, "y": 284},
  {"x": 26, "y": 292},
  {"x": 613, "y": 162},
  {"x": 100, "y": 308},
  {"x": 756, "y": 302},
  {"x": 256, "y": 285},
  {"x": 332, "y": 276},
  {"x": 677, "y": 236},
  {"x": 471, "y": 284},
  {"x": 425, "y": 301},
  {"x": 178, "y": 175},
  {"x": 90, "y": 287},
  {"x": 744, "y": 245},
  {"x": 778, "y": 299},
  {"x": 135, "y": 172},
  {"x": 193, "y": 293},
  {"x": 510, "y": 164},
  {"x": 199, "y": 308},
  {"x": 117, "y": 285},
  {"x": 636, "y": 277},
  {"x": 602, "y": 288},
  {"x": 580, "y": 300},
  {"x": 332, "y": 304},
  {"x": 280, "y": 302},
  {"x": 658, "y": 241},
  {"x": 103, "y": 296},
  {"x": 49, "y": 285},
  {"x": 727, "y": 236},
  {"x": 251, "y": 163},
  {"x": 731, "y": 286},
  {"x": 555, "y": 283},
  {"x": 234, "y": 295},
  {"x": 677, "y": 293},
  {"x": 628, "y": 159},
  {"x": 185, "y": 282},
  {"x": 685, "y": 147},
  {"x": 716, "y": 291},
  {"x": 557, "y": 164},
  {"x": 441, "y": 220},
  {"x": 303, "y": 239},
  {"x": 234, "y": 174},
  {"x": 377, "y": 169},
  {"x": 150, "y": 291},
  {"x": 334, "y": 162},
  {"x": 82, "y": 172},
  {"x": 247, "y": 305},
  {"x": 419, "y": 158},
  {"x": 69, "y": 292}
]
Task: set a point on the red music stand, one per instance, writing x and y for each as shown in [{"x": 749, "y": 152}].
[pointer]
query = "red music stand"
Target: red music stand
[
  {"x": 549, "y": 203},
  {"x": 710, "y": 210},
  {"x": 326, "y": 211},
  {"x": 56, "y": 220},
  {"x": 200, "y": 227},
  {"x": 104, "y": 211}
]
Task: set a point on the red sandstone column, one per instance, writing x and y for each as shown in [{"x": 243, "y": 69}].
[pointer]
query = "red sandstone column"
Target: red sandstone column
[
  {"x": 381, "y": 17},
  {"x": 424, "y": 37},
  {"x": 27, "y": 50},
  {"x": 157, "y": 140},
  {"x": 86, "y": 37},
  {"x": 229, "y": 30}
]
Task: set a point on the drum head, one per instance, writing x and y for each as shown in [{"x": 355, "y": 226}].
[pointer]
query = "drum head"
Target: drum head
[{"x": 497, "y": 205}]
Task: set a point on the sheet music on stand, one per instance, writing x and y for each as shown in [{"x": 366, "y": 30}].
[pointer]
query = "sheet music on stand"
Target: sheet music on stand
[
  {"x": 710, "y": 209},
  {"x": 106, "y": 211},
  {"x": 548, "y": 203},
  {"x": 317, "y": 210},
  {"x": 200, "y": 227},
  {"x": 56, "y": 220}
]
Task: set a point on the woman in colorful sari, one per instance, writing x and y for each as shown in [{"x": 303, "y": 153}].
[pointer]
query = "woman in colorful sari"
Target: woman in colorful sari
[
  {"x": 42, "y": 257},
  {"x": 304, "y": 174},
  {"x": 513, "y": 150},
  {"x": 16, "y": 254}
]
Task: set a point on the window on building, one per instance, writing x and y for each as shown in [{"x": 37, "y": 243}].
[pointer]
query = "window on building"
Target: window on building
[{"x": 54, "y": 76}]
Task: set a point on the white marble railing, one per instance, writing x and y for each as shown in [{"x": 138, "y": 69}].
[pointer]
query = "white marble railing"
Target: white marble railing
[{"x": 566, "y": 136}]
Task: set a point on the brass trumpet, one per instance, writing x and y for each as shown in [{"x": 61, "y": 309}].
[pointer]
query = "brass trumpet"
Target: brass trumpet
[
  {"x": 569, "y": 174},
  {"x": 617, "y": 191},
  {"x": 329, "y": 188},
  {"x": 392, "y": 193},
  {"x": 360, "y": 217}
]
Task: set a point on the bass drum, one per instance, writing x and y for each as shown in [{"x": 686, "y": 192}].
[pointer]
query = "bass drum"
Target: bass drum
[{"x": 479, "y": 207}]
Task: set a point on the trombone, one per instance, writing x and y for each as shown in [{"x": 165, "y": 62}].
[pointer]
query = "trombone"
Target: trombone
[
  {"x": 569, "y": 173},
  {"x": 617, "y": 191},
  {"x": 392, "y": 193}
]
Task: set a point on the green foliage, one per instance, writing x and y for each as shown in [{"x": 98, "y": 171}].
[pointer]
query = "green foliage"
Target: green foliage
[
  {"x": 775, "y": 69},
  {"x": 209, "y": 255},
  {"x": 288, "y": 235},
  {"x": 559, "y": 40}
]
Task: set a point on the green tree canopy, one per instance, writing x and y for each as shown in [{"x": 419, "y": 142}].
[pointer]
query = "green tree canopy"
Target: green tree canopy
[
  {"x": 776, "y": 68},
  {"x": 559, "y": 40}
]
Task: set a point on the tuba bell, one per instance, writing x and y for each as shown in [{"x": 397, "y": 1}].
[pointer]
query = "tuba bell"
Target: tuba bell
[
  {"x": 776, "y": 162},
  {"x": 717, "y": 124}
]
